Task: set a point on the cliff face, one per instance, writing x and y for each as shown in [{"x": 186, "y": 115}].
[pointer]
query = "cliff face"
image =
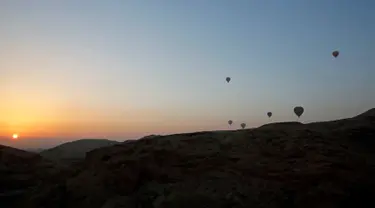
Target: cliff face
[{"x": 327, "y": 164}]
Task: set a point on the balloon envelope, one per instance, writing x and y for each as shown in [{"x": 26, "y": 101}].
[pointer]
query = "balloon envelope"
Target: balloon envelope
[
  {"x": 228, "y": 79},
  {"x": 230, "y": 122},
  {"x": 335, "y": 53},
  {"x": 243, "y": 125},
  {"x": 298, "y": 110},
  {"x": 269, "y": 114}
]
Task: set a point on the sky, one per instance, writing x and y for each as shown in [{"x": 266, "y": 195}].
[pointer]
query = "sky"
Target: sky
[{"x": 125, "y": 69}]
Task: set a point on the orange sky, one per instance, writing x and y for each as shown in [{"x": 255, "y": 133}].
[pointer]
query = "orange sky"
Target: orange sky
[{"x": 38, "y": 117}]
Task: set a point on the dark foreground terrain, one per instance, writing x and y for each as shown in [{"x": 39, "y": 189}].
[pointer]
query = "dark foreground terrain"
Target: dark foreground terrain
[{"x": 317, "y": 165}]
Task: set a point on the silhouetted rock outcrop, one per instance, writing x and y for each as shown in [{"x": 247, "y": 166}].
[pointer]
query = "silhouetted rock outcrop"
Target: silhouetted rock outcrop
[
  {"x": 318, "y": 165},
  {"x": 21, "y": 172}
]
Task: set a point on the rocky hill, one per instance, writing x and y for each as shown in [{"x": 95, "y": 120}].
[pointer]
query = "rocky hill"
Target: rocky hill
[
  {"x": 75, "y": 149},
  {"x": 21, "y": 172},
  {"x": 317, "y": 165}
]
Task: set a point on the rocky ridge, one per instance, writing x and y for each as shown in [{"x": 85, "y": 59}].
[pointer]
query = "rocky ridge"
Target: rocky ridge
[{"x": 317, "y": 165}]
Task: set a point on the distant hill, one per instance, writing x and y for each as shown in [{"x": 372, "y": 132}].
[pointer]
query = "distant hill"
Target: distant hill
[
  {"x": 35, "y": 150},
  {"x": 75, "y": 149}
]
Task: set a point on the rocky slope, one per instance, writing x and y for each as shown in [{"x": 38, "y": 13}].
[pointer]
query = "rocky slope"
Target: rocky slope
[
  {"x": 317, "y": 165},
  {"x": 21, "y": 172}
]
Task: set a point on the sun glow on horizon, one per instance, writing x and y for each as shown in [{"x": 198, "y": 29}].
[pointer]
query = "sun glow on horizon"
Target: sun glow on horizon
[{"x": 15, "y": 136}]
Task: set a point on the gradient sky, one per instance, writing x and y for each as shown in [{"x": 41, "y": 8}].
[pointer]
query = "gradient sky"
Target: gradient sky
[{"x": 124, "y": 69}]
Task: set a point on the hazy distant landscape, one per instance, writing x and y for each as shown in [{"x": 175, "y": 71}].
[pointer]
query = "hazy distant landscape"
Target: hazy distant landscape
[
  {"x": 36, "y": 150},
  {"x": 75, "y": 149}
]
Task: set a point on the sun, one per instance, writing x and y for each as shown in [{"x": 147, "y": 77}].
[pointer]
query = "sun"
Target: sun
[{"x": 15, "y": 136}]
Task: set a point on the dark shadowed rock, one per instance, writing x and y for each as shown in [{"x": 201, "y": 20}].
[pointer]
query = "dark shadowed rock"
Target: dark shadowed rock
[
  {"x": 318, "y": 165},
  {"x": 21, "y": 172}
]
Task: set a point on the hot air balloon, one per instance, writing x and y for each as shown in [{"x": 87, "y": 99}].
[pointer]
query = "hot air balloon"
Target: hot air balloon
[
  {"x": 230, "y": 122},
  {"x": 298, "y": 111},
  {"x": 269, "y": 114},
  {"x": 228, "y": 79},
  {"x": 335, "y": 53},
  {"x": 243, "y": 125}
]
